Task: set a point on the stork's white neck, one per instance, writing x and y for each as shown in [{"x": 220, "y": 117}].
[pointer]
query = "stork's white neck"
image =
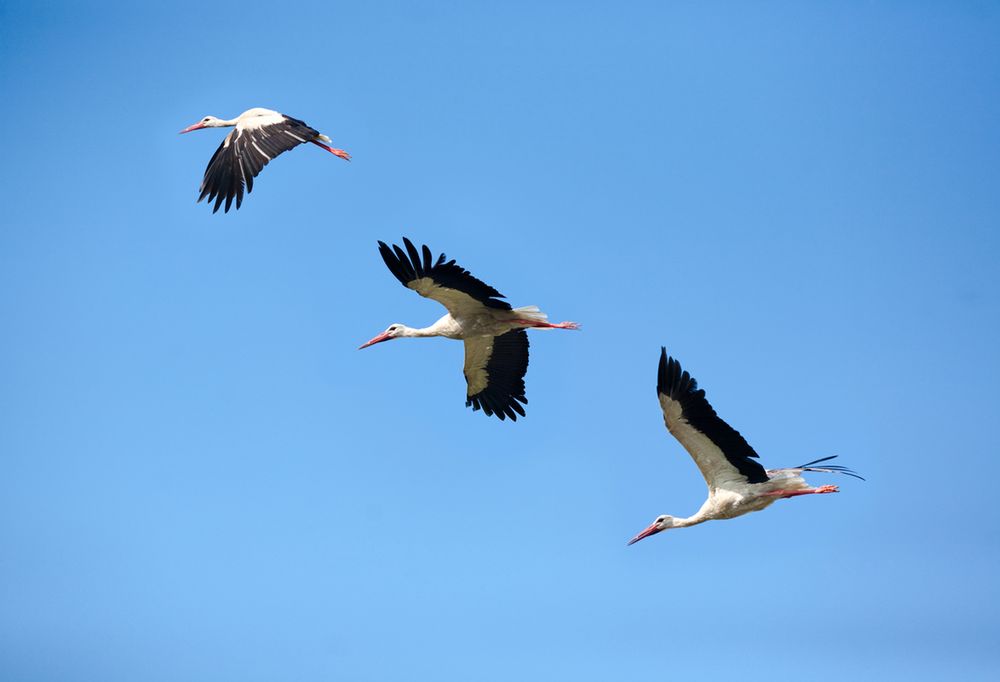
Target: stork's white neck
[
  {"x": 412, "y": 332},
  {"x": 446, "y": 327},
  {"x": 680, "y": 522},
  {"x": 221, "y": 122}
]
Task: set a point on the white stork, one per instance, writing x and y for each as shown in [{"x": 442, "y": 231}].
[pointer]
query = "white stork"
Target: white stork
[
  {"x": 737, "y": 484},
  {"x": 260, "y": 135},
  {"x": 496, "y": 345}
]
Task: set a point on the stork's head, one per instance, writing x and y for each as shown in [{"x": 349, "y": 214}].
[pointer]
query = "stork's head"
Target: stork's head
[
  {"x": 394, "y": 331},
  {"x": 207, "y": 122},
  {"x": 662, "y": 522}
]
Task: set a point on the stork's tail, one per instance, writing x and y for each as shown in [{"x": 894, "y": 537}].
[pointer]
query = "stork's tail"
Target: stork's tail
[
  {"x": 531, "y": 312},
  {"x": 531, "y": 316},
  {"x": 829, "y": 468}
]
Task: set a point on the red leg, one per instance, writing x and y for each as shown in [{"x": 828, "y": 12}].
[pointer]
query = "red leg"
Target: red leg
[
  {"x": 808, "y": 491},
  {"x": 336, "y": 152}
]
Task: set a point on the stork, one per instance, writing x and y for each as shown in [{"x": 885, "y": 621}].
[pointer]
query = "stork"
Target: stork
[
  {"x": 737, "y": 484},
  {"x": 260, "y": 135},
  {"x": 496, "y": 345}
]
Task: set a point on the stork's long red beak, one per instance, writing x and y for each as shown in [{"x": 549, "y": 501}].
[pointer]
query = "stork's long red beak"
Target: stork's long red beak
[
  {"x": 196, "y": 126},
  {"x": 378, "y": 339},
  {"x": 651, "y": 530}
]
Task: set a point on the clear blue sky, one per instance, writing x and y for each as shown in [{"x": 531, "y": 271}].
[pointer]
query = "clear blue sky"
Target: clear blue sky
[{"x": 202, "y": 479}]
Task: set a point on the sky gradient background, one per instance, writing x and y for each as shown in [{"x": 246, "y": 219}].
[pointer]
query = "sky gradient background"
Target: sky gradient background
[{"x": 202, "y": 479}]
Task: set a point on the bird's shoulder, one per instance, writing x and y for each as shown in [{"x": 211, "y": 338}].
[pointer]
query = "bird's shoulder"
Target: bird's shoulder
[{"x": 257, "y": 118}]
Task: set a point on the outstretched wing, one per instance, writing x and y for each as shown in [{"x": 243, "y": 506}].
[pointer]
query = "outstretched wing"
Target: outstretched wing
[
  {"x": 494, "y": 369},
  {"x": 721, "y": 453},
  {"x": 245, "y": 152},
  {"x": 444, "y": 281}
]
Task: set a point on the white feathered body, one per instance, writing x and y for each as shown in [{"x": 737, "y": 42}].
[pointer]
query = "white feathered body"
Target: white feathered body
[
  {"x": 738, "y": 498},
  {"x": 483, "y": 321}
]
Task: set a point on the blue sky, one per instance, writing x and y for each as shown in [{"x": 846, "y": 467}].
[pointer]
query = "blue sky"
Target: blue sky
[{"x": 203, "y": 479}]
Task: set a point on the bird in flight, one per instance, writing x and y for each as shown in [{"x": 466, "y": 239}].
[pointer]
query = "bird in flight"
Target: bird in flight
[
  {"x": 737, "y": 483},
  {"x": 496, "y": 344},
  {"x": 260, "y": 135}
]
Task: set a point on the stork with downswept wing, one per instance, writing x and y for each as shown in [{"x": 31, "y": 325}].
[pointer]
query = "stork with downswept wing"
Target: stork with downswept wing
[
  {"x": 260, "y": 135},
  {"x": 737, "y": 483},
  {"x": 496, "y": 344}
]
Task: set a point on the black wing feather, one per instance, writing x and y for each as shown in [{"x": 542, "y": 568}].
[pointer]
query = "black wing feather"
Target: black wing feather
[
  {"x": 676, "y": 383},
  {"x": 408, "y": 265},
  {"x": 828, "y": 468},
  {"x": 504, "y": 392},
  {"x": 428, "y": 258}
]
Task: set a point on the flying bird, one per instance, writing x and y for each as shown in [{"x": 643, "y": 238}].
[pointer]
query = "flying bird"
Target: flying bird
[
  {"x": 737, "y": 483},
  {"x": 260, "y": 135},
  {"x": 496, "y": 344}
]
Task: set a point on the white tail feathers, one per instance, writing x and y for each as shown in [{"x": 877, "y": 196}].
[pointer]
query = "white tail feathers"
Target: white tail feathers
[
  {"x": 531, "y": 316},
  {"x": 324, "y": 138},
  {"x": 531, "y": 312}
]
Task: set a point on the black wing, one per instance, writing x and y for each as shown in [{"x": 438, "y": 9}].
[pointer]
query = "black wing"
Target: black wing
[
  {"x": 244, "y": 153},
  {"x": 444, "y": 281},
  {"x": 726, "y": 456},
  {"x": 494, "y": 369}
]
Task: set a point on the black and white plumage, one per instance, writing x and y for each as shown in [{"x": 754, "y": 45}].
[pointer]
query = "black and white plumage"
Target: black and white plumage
[
  {"x": 494, "y": 373},
  {"x": 737, "y": 483},
  {"x": 260, "y": 136},
  {"x": 496, "y": 345}
]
